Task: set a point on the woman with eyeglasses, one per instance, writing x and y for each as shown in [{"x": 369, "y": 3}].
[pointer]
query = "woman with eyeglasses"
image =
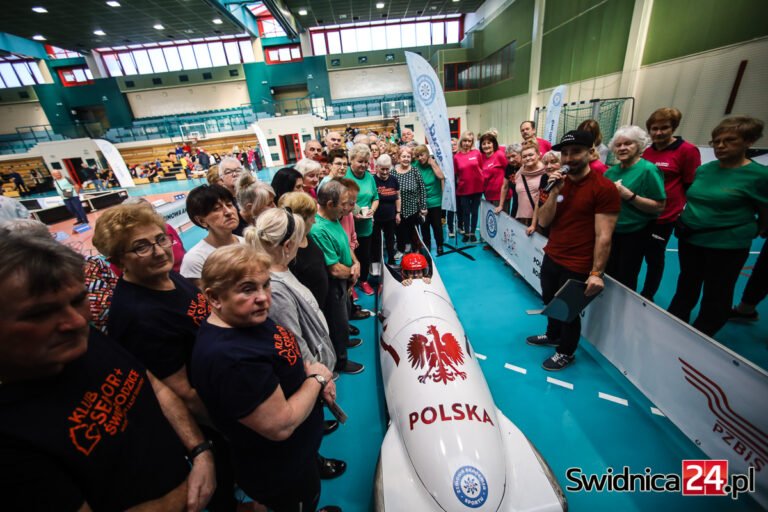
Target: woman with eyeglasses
[
  {"x": 727, "y": 207},
  {"x": 337, "y": 158}
]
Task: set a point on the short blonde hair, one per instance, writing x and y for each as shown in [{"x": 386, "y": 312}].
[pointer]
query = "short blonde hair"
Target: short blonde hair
[
  {"x": 225, "y": 266},
  {"x": 301, "y": 203},
  {"x": 531, "y": 144},
  {"x": 213, "y": 175},
  {"x": 470, "y": 136},
  {"x": 113, "y": 227},
  {"x": 360, "y": 150},
  {"x": 270, "y": 229},
  {"x": 307, "y": 165},
  {"x": 420, "y": 150}
]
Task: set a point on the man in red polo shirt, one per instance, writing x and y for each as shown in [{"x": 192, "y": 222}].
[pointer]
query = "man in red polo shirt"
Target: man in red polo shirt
[
  {"x": 678, "y": 160},
  {"x": 581, "y": 211},
  {"x": 528, "y": 131}
]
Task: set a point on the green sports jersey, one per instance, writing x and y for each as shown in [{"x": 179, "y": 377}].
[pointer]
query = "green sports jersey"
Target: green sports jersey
[
  {"x": 333, "y": 240},
  {"x": 431, "y": 184},
  {"x": 643, "y": 179},
  {"x": 367, "y": 195},
  {"x": 726, "y": 197}
]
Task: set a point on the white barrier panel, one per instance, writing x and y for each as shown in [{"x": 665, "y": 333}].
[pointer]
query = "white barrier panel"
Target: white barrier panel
[
  {"x": 174, "y": 213},
  {"x": 713, "y": 395},
  {"x": 116, "y": 162}
]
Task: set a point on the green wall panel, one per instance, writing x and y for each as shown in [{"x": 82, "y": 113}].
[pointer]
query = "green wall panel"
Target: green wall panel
[
  {"x": 684, "y": 27},
  {"x": 558, "y": 12},
  {"x": 57, "y": 101},
  {"x": 515, "y": 23},
  {"x": 290, "y": 73},
  {"x": 171, "y": 78},
  {"x": 588, "y": 45}
]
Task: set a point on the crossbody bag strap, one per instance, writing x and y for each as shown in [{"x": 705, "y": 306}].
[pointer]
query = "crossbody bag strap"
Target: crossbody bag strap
[{"x": 528, "y": 191}]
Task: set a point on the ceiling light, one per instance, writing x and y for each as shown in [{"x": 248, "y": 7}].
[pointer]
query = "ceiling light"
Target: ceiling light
[
  {"x": 99, "y": 32},
  {"x": 454, "y": 1},
  {"x": 158, "y": 27},
  {"x": 302, "y": 12},
  {"x": 217, "y": 21},
  {"x": 38, "y": 37},
  {"x": 41, "y": 10},
  {"x": 112, "y": 3},
  {"x": 380, "y": 5}
]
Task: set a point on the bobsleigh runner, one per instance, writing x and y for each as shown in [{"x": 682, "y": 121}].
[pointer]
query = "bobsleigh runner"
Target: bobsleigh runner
[{"x": 448, "y": 447}]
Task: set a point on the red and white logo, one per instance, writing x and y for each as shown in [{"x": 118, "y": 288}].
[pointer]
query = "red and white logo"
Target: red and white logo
[{"x": 441, "y": 356}]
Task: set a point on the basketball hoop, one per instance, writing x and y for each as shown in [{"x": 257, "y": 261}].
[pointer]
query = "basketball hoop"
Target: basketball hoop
[{"x": 193, "y": 141}]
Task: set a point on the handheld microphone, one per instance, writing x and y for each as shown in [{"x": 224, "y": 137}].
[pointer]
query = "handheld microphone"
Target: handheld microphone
[{"x": 563, "y": 170}]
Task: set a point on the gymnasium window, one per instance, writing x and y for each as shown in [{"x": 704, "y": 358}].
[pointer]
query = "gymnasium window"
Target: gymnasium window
[
  {"x": 79, "y": 75},
  {"x": 185, "y": 54},
  {"x": 496, "y": 67},
  {"x": 18, "y": 71},
  {"x": 55, "y": 52},
  {"x": 282, "y": 54},
  {"x": 386, "y": 35},
  {"x": 268, "y": 26}
]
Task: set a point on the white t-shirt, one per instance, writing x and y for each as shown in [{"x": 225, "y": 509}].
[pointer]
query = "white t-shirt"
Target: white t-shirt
[{"x": 192, "y": 264}]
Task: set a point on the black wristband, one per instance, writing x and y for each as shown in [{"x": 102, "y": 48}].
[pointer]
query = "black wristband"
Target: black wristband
[
  {"x": 632, "y": 198},
  {"x": 197, "y": 450}
]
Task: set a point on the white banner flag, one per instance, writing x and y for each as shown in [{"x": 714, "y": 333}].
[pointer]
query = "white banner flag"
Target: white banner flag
[
  {"x": 263, "y": 145},
  {"x": 554, "y": 107},
  {"x": 430, "y": 103},
  {"x": 116, "y": 162}
]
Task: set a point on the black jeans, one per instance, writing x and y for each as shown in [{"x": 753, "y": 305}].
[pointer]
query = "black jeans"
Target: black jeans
[
  {"x": 757, "y": 286},
  {"x": 304, "y": 494},
  {"x": 363, "y": 253},
  {"x": 553, "y": 277},
  {"x": 388, "y": 228},
  {"x": 470, "y": 206},
  {"x": 714, "y": 270},
  {"x": 655, "y": 253},
  {"x": 459, "y": 215},
  {"x": 406, "y": 231},
  {"x": 434, "y": 221},
  {"x": 336, "y": 313},
  {"x": 627, "y": 250}
]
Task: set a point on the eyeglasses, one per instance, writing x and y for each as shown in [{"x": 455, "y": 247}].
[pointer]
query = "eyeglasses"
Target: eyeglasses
[
  {"x": 727, "y": 141},
  {"x": 145, "y": 248},
  {"x": 230, "y": 172}
]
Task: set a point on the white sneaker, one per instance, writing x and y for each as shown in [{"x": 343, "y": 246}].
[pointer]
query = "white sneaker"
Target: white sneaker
[
  {"x": 399, "y": 255},
  {"x": 375, "y": 269}
]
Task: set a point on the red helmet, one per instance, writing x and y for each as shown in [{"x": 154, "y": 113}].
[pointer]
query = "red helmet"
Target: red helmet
[{"x": 413, "y": 261}]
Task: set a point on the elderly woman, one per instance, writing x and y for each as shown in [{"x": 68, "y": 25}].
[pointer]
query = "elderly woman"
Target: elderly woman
[
  {"x": 434, "y": 180},
  {"x": 69, "y": 190},
  {"x": 469, "y": 183},
  {"x": 253, "y": 197},
  {"x": 641, "y": 187},
  {"x": 178, "y": 246},
  {"x": 494, "y": 164},
  {"x": 367, "y": 203},
  {"x": 716, "y": 228},
  {"x": 212, "y": 208},
  {"x": 310, "y": 171},
  {"x": 530, "y": 179},
  {"x": 514, "y": 162},
  {"x": 337, "y": 158},
  {"x": 678, "y": 160},
  {"x": 287, "y": 179},
  {"x": 552, "y": 163},
  {"x": 413, "y": 200},
  {"x": 259, "y": 391},
  {"x": 387, "y": 216},
  {"x": 375, "y": 153}
]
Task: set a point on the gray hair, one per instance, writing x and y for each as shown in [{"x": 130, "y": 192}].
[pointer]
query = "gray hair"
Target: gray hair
[
  {"x": 515, "y": 147},
  {"x": 411, "y": 144},
  {"x": 359, "y": 139},
  {"x": 258, "y": 193},
  {"x": 331, "y": 191},
  {"x": 307, "y": 165},
  {"x": 136, "y": 200},
  {"x": 384, "y": 160},
  {"x": 45, "y": 264},
  {"x": 227, "y": 160},
  {"x": 551, "y": 154},
  {"x": 360, "y": 150},
  {"x": 26, "y": 227},
  {"x": 633, "y": 133}
]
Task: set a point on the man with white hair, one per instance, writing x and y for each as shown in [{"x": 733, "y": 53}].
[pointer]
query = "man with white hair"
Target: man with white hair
[
  {"x": 333, "y": 140},
  {"x": 406, "y": 136},
  {"x": 312, "y": 149},
  {"x": 10, "y": 209},
  {"x": 230, "y": 171}
]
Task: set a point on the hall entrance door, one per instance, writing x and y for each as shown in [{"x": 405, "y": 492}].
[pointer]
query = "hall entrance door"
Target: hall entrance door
[{"x": 291, "y": 148}]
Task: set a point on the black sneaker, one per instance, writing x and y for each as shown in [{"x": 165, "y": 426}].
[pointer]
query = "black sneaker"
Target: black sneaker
[
  {"x": 542, "y": 340},
  {"x": 354, "y": 331},
  {"x": 330, "y": 508},
  {"x": 330, "y": 468},
  {"x": 472, "y": 239},
  {"x": 745, "y": 317},
  {"x": 354, "y": 342},
  {"x": 352, "y": 368},
  {"x": 464, "y": 238},
  {"x": 557, "y": 362}
]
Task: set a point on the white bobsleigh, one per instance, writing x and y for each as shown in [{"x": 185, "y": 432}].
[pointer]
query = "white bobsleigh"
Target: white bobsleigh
[{"x": 447, "y": 446}]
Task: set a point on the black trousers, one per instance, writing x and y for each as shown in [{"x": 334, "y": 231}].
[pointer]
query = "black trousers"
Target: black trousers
[
  {"x": 757, "y": 286},
  {"x": 470, "y": 208},
  {"x": 303, "y": 496},
  {"x": 458, "y": 215},
  {"x": 406, "y": 231},
  {"x": 388, "y": 228},
  {"x": 434, "y": 221},
  {"x": 626, "y": 259},
  {"x": 553, "y": 277},
  {"x": 223, "y": 498},
  {"x": 714, "y": 270},
  {"x": 336, "y": 311},
  {"x": 363, "y": 253},
  {"x": 655, "y": 252}
]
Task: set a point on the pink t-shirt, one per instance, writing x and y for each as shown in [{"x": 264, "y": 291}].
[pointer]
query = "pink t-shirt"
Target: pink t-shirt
[
  {"x": 348, "y": 223},
  {"x": 524, "y": 208},
  {"x": 678, "y": 162},
  {"x": 469, "y": 174},
  {"x": 493, "y": 175}
]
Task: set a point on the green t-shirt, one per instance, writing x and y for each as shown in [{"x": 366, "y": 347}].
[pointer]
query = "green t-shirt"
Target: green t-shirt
[
  {"x": 643, "y": 179},
  {"x": 333, "y": 240},
  {"x": 726, "y": 197},
  {"x": 431, "y": 184},
  {"x": 367, "y": 195}
]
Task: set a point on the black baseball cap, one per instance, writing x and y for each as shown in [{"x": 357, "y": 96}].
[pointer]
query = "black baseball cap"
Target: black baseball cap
[{"x": 575, "y": 138}]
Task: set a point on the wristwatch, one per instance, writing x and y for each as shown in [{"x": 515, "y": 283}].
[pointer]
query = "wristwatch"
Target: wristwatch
[
  {"x": 596, "y": 273},
  {"x": 197, "y": 450},
  {"x": 319, "y": 378}
]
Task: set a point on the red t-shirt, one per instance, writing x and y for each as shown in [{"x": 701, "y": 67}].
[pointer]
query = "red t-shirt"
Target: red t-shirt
[
  {"x": 572, "y": 233},
  {"x": 678, "y": 162},
  {"x": 493, "y": 175},
  {"x": 469, "y": 175},
  {"x": 599, "y": 167}
]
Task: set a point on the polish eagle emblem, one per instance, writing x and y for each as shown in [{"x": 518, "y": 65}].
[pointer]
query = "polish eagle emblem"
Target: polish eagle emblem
[{"x": 441, "y": 356}]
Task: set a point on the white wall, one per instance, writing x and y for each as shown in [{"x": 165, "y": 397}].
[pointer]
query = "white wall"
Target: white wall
[
  {"x": 21, "y": 114},
  {"x": 276, "y": 126},
  {"x": 372, "y": 81},
  {"x": 181, "y": 100},
  {"x": 74, "y": 148},
  {"x": 504, "y": 115}
]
